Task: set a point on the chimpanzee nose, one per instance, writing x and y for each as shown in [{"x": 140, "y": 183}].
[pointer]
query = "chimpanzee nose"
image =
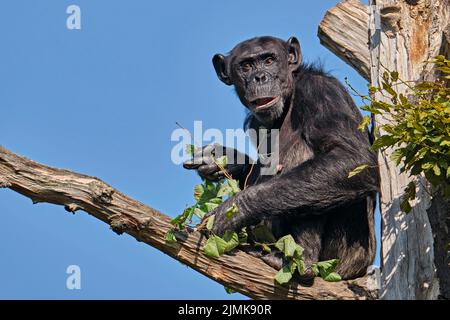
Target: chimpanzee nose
[{"x": 261, "y": 77}]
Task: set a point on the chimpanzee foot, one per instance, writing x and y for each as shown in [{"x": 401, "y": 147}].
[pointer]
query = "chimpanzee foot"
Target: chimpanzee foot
[{"x": 274, "y": 259}]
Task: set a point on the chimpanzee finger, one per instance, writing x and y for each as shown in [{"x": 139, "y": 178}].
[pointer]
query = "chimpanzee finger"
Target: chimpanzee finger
[
  {"x": 216, "y": 176},
  {"x": 208, "y": 169},
  {"x": 190, "y": 164},
  {"x": 204, "y": 155}
]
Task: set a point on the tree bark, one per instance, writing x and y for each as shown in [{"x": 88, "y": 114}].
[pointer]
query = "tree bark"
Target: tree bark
[
  {"x": 403, "y": 35},
  {"x": 238, "y": 270}
]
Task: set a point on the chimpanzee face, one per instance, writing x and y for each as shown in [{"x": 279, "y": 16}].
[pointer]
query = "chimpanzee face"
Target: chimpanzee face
[{"x": 261, "y": 70}]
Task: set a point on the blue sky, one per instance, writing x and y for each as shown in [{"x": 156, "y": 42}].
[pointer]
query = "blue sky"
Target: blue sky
[{"x": 103, "y": 101}]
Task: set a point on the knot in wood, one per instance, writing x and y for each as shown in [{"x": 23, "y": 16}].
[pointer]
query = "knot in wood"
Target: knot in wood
[
  {"x": 72, "y": 207},
  {"x": 119, "y": 224},
  {"x": 144, "y": 224},
  {"x": 101, "y": 192},
  {"x": 390, "y": 18}
]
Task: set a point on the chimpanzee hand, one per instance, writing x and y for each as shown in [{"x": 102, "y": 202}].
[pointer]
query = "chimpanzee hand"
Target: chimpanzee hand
[
  {"x": 233, "y": 222},
  {"x": 222, "y": 223},
  {"x": 203, "y": 162}
]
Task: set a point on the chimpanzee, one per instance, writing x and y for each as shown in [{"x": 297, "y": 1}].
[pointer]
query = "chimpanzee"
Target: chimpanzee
[{"x": 311, "y": 197}]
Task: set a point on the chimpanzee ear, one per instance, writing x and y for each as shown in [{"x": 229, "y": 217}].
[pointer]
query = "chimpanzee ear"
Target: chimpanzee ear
[
  {"x": 295, "y": 53},
  {"x": 220, "y": 64}
]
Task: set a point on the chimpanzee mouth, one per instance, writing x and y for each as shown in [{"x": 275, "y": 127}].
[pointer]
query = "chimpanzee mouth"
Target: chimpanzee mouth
[{"x": 263, "y": 103}]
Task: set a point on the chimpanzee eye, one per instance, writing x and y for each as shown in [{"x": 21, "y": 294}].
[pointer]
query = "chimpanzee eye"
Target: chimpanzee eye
[
  {"x": 246, "y": 67},
  {"x": 269, "y": 61}
]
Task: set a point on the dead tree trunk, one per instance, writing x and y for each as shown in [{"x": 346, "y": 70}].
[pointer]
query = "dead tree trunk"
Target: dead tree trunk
[{"x": 402, "y": 36}]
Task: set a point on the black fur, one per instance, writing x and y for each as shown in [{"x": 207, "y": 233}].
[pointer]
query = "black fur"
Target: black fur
[{"x": 312, "y": 198}]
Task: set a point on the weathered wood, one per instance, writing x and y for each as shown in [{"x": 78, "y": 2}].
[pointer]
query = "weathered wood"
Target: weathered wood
[
  {"x": 344, "y": 30},
  {"x": 239, "y": 271},
  {"x": 409, "y": 34}
]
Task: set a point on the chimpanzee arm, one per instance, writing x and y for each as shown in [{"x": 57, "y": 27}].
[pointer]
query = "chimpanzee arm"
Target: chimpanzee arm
[{"x": 314, "y": 187}]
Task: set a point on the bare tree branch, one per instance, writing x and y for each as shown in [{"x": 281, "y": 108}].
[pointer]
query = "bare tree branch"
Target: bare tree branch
[
  {"x": 239, "y": 271},
  {"x": 344, "y": 30}
]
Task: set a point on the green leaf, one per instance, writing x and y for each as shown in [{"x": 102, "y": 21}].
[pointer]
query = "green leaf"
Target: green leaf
[
  {"x": 328, "y": 265},
  {"x": 210, "y": 249},
  {"x": 370, "y": 109},
  {"x": 222, "y": 245},
  {"x": 284, "y": 275},
  {"x": 225, "y": 190},
  {"x": 410, "y": 191},
  {"x": 232, "y": 240},
  {"x": 301, "y": 267},
  {"x": 403, "y": 99},
  {"x": 388, "y": 88},
  {"x": 170, "y": 236},
  {"x": 332, "y": 277},
  {"x": 243, "y": 236},
  {"x": 222, "y": 161},
  {"x": 180, "y": 220},
  {"x": 443, "y": 69},
  {"x": 234, "y": 185},
  {"x": 198, "y": 191},
  {"x": 435, "y": 139},
  {"x": 215, "y": 247},
  {"x": 327, "y": 270},
  {"x": 190, "y": 149},
  {"x": 405, "y": 206},
  {"x": 425, "y": 85},
  {"x": 286, "y": 245},
  {"x": 209, "y": 206},
  {"x": 379, "y": 105},
  {"x": 372, "y": 89},
  {"x": 229, "y": 291},
  {"x": 394, "y": 76},
  {"x": 364, "y": 123},
  {"x": 437, "y": 170},
  {"x": 216, "y": 200},
  {"x": 298, "y": 253},
  {"x": 264, "y": 246},
  {"x": 231, "y": 211},
  {"x": 315, "y": 269},
  {"x": 397, "y": 156},
  {"x": 448, "y": 172},
  {"x": 357, "y": 170},
  {"x": 383, "y": 141},
  {"x": 416, "y": 169},
  {"x": 199, "y": 213},
  {"x": 263, "y": 234},
  {"x": 427, "y": 166},
  {"x": 210, "y": 223},
  {"x": 298, "y": 259}
]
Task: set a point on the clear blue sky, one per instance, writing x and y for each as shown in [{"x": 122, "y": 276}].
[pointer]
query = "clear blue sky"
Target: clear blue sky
[{"x": 103, "y": 101}]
